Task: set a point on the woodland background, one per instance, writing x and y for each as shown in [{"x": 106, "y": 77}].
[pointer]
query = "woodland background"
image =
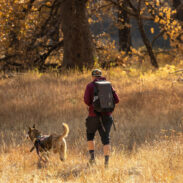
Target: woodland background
[{"x": 76, "y": 34}]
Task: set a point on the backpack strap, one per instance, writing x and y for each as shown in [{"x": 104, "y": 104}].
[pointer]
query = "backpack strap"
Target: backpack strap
[
  {"x": 95, "y": 89},
  {"x": 99, "y": 115},
  {"x": 94, "y": 95}
]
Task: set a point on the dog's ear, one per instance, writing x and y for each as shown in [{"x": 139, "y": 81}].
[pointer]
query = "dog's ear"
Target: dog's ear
[
  {"x": 34, "y": 126},
  {"x": 29, "y": 128}
]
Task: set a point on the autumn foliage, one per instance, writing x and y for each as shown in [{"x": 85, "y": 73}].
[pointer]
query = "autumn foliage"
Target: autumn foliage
[{"x": 32, "y": 36}]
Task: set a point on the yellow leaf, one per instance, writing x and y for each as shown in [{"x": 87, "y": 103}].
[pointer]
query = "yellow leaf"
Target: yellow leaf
[
  {"x": 156, "y": 19},
  {"x": 165, "y": 36},
  {"x": 48, "y": 3},
  {"x": 161, "y": 14},
  {"x": 90, "y": 20},
  {"x": 152, "y": 30}
]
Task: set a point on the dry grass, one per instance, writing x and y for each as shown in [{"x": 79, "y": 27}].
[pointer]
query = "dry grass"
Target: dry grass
[{"x": 147, "y": 146}]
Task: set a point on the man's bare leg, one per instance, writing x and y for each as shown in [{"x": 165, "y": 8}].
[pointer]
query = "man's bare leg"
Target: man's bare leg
[{"x": 91, "y": 145}]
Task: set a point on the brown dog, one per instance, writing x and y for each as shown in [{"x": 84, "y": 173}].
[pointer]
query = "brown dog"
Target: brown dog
[{"x": 44, "y": 143}]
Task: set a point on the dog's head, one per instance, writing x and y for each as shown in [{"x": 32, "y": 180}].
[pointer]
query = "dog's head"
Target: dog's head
[{"x": 33, "y": 133}]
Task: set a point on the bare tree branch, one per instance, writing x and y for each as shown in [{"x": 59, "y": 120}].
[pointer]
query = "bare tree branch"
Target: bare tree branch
[
  {"x": 42, "y": 58},
  {"x": 101, "y": 7},
  {"x": 157, "y": 36},
  {"x": 132, "y": 11}
]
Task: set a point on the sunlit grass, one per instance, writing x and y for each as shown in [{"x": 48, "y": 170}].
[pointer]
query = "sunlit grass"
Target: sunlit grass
[{"x": 147, "y": 146}]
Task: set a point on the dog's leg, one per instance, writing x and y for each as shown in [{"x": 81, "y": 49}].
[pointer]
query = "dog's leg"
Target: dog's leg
[
  {"x": 39, "y": 165},
  {"x": 45, "y": 156},
  {"x": 63, "y": 150},
  {"x": 43, "y": 160}
]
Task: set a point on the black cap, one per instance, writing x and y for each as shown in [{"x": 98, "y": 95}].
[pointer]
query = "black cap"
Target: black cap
[{"x": 96, "y": 72}]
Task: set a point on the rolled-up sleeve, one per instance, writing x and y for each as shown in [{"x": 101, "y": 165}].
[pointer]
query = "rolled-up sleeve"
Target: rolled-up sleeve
[{"x": 116, "y": 98}]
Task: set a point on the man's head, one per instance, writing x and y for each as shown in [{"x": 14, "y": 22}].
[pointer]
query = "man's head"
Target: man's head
[{"x": 96, "y": 73}]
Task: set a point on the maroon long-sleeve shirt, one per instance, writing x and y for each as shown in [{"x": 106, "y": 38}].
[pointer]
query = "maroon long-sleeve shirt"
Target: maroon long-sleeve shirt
[{"x": 89, "y": 93}]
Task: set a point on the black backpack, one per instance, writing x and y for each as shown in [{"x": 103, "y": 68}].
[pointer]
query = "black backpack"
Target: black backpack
[{"x": 103, "y": 100}]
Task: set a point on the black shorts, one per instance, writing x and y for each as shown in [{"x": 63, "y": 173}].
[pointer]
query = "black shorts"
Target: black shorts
[{"x": 102, "y": 124}]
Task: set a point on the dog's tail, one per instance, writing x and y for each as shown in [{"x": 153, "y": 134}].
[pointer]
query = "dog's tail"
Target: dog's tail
[{"x": 66, "y": 130}]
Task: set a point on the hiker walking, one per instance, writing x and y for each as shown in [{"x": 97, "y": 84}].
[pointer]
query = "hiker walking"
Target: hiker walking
[{"x": 101, "y": 98}]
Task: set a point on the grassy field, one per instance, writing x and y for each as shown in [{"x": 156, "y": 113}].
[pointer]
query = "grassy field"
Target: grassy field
[{"x": 146, "y": 148}]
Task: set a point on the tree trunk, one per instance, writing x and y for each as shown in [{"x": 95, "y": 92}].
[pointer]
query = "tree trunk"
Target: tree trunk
[
  {"x": 124, "y": 32},
  {"x": 179, "y": 7},
  {"x": 147, "y": 42},
  {"x": 176, "y": 3},
  {"x": 78, "y": 45}
]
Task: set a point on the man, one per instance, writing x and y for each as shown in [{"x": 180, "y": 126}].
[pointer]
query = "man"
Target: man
[{"x": 98, "y": 121}]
